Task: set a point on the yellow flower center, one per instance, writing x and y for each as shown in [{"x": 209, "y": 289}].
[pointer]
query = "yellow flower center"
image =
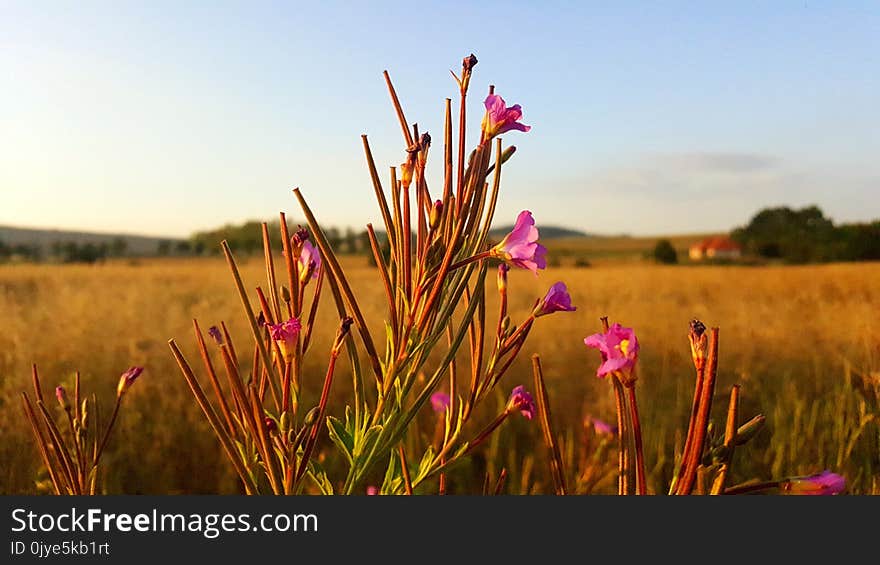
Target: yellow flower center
[{"x": 623, "y": 346}]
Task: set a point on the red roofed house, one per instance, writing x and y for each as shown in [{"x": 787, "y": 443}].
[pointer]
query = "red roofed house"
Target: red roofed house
[{"x": 720, "y": 247}]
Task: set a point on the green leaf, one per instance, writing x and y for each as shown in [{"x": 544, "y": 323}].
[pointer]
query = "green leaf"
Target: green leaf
[
  {"x": 393, "y": 476},
  {"x": 366, "y": 443},
  {"x": 319, "y": 477},
  {"x": 425, "y": 463},
  {"x": 341, "y": 437}
]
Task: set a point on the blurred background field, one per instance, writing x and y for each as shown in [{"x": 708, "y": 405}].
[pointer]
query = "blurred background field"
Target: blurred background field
[{"x": 802, "y": 341}]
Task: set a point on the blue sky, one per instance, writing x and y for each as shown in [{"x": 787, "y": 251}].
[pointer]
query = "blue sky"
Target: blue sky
[{"x": 647, "y": 118}]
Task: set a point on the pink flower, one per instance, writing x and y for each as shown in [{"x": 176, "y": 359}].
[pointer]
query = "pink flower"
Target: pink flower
[
  {"x": 556, "y": 300},
  {"x": 372, "y": 490},
  {"x": 127, "y": 379},
  {"x": 61, "y": 395},
  {"x": 520, "y": 247},
  {"x": 521, "y": 400},
  {"x": 285, "y": 335},
  {"x": 499, "y": 118},
  {"x": 603, "y": 428},
  {"x": 440, "y": 401},
  {"x": 619, "y": 348},
  {"x": 309, "y": 261},
  {"x": 214, "y": 332},
  {"x": 824, "y": 483}
]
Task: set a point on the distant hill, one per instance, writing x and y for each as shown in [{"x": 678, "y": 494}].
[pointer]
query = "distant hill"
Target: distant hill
[
  {"x": 45, "y": 239},
  {"x": 546, "y": 232}
]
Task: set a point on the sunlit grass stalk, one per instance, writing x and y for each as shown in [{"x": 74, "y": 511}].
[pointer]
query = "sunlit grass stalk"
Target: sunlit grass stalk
[
  {"x": 695, "y": 455},
  {"x": 386, "y": 281},
  {"x": 212, "y": 376},
  {"x": 447, "y": 161},
  {"x": 322, "y": 405},
  {"x": 685, "y": 454},
  {"x": 49, "y": 460},
  {"x": 404, "y": 466},
  {"x": 270, "y": 271},
  {"x": 641, "y": 485},
  {"x": 290, "y": 266},
  {"x": 390, "y": 226},
  {"x": 404, "y": 125},
  {"x": 556, "y": 465},
  {"x": 225, "y": 440},
  {"x": 623, "y": 435},
  {"x": 313, "y": 311},
  {"x": 730, "y": 429},
  {"x": 252, "y": 322},
  {"x": 330, "y": 259}
]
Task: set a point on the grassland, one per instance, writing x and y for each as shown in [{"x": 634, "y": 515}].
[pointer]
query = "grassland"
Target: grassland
[{"x": 803, "y": 341}]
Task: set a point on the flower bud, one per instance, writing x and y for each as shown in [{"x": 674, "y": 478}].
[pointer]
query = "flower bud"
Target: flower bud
[
  {"x": 749, "y": 430},
  {"x": 436, "y": 214},
  {"x": 311, "y": 417},
  {"x": 299, "y": 237},
  {"x": 521, "y": 399},
  {"x": 127, "y": 379},
  {"x": 61, "y": 395},
  {"x": 824, "y": 483},
  {"x": 406, "y": 174},
  {"x": 214, "y": 332},
  {"x": 467, "y": 67},
  {"x": 502, "y": 277},
  {"x": 469, "y": 62},
  {"x": 285, "y": 335},
  {"x": 699, "y": 343},
  {"x": 507, "y": 153},
  {"x": 84, "y": 414},
  {"x": 270, "y": 424}
]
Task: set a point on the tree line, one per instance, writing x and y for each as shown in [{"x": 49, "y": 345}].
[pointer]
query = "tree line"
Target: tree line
[
  {"x": 807, "y": 236},
  {"x": 247, "y": 239},
  {"x": 64, "y": 251}
]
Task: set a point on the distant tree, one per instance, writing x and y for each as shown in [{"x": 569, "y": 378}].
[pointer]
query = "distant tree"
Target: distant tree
[
  {"x": 183, "y": 248},
  {"x": 118, "y": 247},
  {"x": 350, "y": 241},
  {"x": 665, "y": 253},
  {"x": 860, "y": 242},
  {"x": 333, "y": 238},
  {"x": 163, "y": 248},
  {"x": 56, "y": 250},
  {"x": 91, "y": 253},
  {"x": 796, "y": 236}
]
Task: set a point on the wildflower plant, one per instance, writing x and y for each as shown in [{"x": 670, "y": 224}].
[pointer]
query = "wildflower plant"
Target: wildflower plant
[
  {"x": 441, "y": 353},
  {"x": 706, "y": 458},
  {"x": 435, "y": 292},
  {"x": 72, "y": 444}
]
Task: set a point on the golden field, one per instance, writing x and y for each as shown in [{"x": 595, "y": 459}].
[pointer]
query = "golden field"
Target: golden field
[{"x": 803, "y": 341}]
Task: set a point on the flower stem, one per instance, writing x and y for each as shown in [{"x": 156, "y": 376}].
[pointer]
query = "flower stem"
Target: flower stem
[
  {"x": 469, "y": 260},
  {"x": 407, "y": 482},
  {"x": 689, "y": 476},
  {"x": 744, "y": 489},
  {"x": 486, "y": 432},
  {"x": 641, "y": 485},
  {"x": 107, "y": 432},
  {"x": 623, "y": 438}
]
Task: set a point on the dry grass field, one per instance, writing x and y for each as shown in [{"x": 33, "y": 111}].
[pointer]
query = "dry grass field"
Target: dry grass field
[{"x": 804, "y": 342}]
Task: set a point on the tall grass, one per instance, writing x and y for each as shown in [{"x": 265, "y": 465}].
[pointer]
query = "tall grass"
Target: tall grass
[{"x": 803, "y": 342}]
